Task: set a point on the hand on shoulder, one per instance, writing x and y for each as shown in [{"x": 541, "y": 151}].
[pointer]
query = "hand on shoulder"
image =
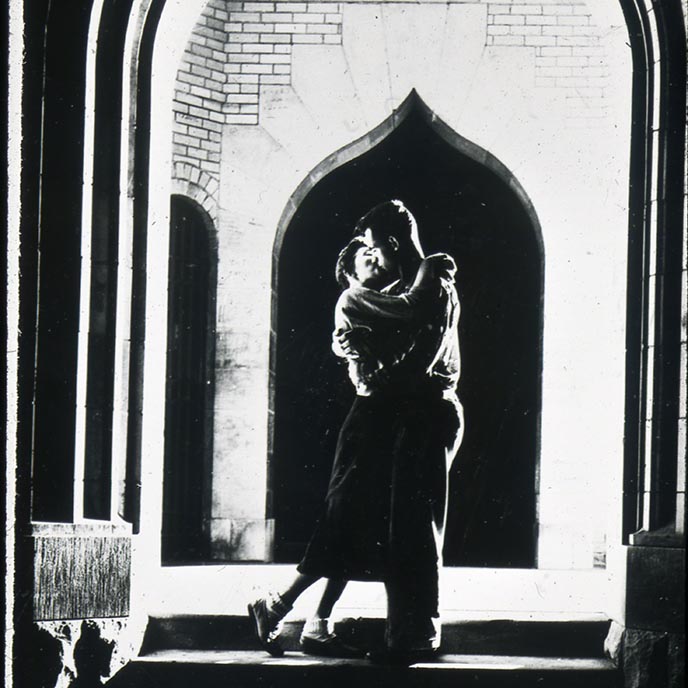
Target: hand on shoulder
[{"x": 441, "y": 266}]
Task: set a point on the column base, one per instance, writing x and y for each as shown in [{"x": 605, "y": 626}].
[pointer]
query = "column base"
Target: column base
[
  {"x": 649, "y": 659},
  {"x": 81, "y": 570},
  {"x": 650, "y": 648}
]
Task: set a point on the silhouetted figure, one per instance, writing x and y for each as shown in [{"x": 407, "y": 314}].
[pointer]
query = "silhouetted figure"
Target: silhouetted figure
[{"x": 92, "y": 656}]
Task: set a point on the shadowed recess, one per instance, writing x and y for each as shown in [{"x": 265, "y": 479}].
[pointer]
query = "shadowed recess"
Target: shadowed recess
[
  {"x": 190, "y": 382},
  {"x": 471, "y": 210}
]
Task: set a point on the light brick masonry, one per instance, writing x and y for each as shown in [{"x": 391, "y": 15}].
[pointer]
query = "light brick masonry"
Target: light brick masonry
[
  {"x": 569, "y": 56},
  {"x": 199, "y": 95},
  {"x": 234, "y": 49},
  {"x": 238, "y": 47}
]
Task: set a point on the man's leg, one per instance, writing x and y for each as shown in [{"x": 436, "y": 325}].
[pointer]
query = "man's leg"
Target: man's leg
[
  {"x": 425, "y": 446},
  {"x": 413, "y": 619}
]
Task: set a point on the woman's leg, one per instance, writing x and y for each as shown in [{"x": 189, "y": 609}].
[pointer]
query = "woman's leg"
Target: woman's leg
[
  {"x": 316, "y": 637},
  {"x": 317, "y": 626},
  {"x": 331, "y": 594},
  {"x": 267, "y": 612},
  {"x": 299, "y": 584}
]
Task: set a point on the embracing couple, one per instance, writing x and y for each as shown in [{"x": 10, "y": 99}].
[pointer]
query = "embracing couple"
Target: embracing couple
[{"x": 396, "y": 326}]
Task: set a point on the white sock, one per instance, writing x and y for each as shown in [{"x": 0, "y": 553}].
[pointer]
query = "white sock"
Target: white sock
[{"x": 316, "y": 628}]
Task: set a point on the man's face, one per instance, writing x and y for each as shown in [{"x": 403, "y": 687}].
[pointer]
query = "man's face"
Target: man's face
[
  {"x": 368, "y": 269},
  {"x": 385, "y": 252}
]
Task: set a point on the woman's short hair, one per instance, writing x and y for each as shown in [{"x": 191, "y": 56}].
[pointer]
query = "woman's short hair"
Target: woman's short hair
[{"x": 345, "y": 262}]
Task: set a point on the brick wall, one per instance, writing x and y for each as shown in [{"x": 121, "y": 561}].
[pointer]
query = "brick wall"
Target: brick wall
[
  {"x": 260, "y": 39},
  {"x": 568, "y": 53},
  {"x": 234, "y": 49},
  {"x": 199, "y": 93},
  {"x": 237, "y": 47}
]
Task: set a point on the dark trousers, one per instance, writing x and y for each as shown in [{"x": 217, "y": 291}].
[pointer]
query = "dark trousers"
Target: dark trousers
[{"x": 427, "y": 435}]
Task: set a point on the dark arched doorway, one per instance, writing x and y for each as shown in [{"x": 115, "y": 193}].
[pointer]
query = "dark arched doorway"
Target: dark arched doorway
[
  {"x": 190, "y": 382},
  {"x": 468, "y": 205}
]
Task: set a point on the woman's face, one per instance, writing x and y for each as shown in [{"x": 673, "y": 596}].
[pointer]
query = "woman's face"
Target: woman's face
[
  {"x": 385, "y": 251},
  {"x": 367, "y": 268}
]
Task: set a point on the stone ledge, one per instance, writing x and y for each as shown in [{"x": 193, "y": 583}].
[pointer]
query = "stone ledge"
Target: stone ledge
[
  {"x": 541, "y": 637},
  {"x": 86, "y": 528},
  {"x": 465, "y": 593},
  {"x": 662, "y": 537},
  {"x": 211, "y": 669}
]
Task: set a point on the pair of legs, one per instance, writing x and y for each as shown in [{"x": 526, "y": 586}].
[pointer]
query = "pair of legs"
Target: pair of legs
[
  {"x": 386, "y": 507},
  {"x": 316, "y": 638},
  {"x": 331, "y": 594},
  {"x": 342, "y": 540}
]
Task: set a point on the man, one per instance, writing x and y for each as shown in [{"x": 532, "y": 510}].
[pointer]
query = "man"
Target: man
[
  {"x": 349, "y": 541},
  {"x": 418, "y": 406}
]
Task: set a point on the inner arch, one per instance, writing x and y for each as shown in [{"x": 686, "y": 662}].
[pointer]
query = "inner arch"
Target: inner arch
[{"x": 469, "y": 205}]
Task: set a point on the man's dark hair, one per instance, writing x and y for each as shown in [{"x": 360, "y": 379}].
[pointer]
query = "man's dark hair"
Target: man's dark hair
[
  {"x": 345, "y": 262},
  {"x": 390, "y": 218}
]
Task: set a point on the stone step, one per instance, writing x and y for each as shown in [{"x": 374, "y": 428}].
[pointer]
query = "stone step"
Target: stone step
[
  {"x": 247, "y": 669},
  {"x": 500, "y": 637}
]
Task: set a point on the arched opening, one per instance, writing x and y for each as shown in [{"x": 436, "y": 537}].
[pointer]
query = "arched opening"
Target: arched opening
[
  {"x": 190, "y": 382},
  {"x": 139, "y": 169},
  {"x": 654, "y": 479},
  {"x": 55, "y": 151},
  {"x": 104, "y": 262},
  {"x": 468, "y": 205}
]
